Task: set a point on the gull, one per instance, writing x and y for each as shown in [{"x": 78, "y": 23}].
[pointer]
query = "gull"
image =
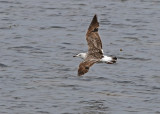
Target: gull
[{"x": 95, "y": 51}]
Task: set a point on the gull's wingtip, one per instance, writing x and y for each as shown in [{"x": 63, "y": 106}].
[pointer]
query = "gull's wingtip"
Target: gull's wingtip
[
  {"x": 94, "y": 24},
  {"x": 95, "y": 15},
  {"x": 95, "y": 18}
]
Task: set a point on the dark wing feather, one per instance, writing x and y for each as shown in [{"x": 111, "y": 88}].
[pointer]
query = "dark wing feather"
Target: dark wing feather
[
  {"x": 84, "y": 66},
  {"x": 93, "y": 40}
]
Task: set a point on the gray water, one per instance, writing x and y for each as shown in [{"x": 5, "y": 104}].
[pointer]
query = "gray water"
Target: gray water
[{"x": 38, "y": 74}]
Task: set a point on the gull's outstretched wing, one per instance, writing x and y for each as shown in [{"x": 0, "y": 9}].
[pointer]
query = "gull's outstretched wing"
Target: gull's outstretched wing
[
  {"x": 94, "y": 40},
  {"x": 84, "y": 66},
  {"x": 94, "y": 47}
]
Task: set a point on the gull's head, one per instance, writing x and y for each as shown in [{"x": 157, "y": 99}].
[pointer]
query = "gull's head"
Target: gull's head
[{"x": 81, "y": 55}]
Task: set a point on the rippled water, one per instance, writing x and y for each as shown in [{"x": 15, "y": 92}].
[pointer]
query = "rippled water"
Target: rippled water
[{"x": 39, "y": 76}]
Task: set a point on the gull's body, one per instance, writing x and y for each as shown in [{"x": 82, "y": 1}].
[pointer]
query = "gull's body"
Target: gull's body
[
  {"x": 95, "y": 51},
  {"x": 104, "y": 59}
]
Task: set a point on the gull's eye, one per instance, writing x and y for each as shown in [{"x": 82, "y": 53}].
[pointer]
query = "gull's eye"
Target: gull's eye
[{"x": 95, "y": 30}]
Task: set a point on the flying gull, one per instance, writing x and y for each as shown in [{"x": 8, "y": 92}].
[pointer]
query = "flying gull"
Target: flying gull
[{"x": 95, "y": 52}]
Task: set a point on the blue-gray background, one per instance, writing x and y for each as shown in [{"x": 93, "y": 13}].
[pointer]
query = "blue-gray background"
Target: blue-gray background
[{"x": 38, "y": 74}]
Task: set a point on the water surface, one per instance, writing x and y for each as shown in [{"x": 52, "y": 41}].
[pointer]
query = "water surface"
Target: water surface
[{"x": 39, "y": 76}]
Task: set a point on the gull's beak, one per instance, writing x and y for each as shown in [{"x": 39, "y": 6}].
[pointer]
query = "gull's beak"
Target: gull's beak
[{"x": 75, "y": 56}]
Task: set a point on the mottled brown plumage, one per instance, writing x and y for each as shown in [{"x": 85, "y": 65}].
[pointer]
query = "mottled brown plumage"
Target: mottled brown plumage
[
  {"x": 93, "y": 39},
  {"x": 84, "y": 66},
  {"x": 94, "y": 47}
]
